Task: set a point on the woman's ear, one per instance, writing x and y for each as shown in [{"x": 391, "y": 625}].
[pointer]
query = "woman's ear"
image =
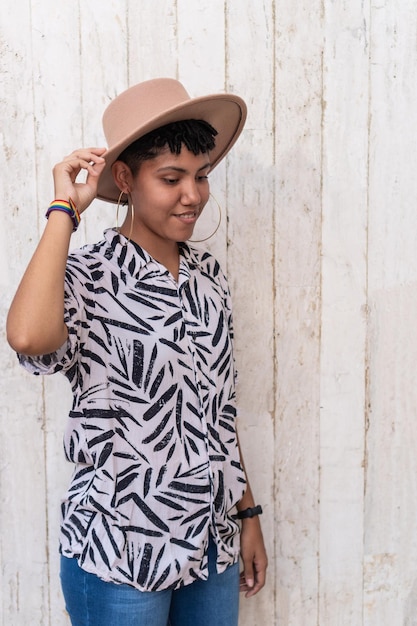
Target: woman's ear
[{"x": 122, "y": 176}]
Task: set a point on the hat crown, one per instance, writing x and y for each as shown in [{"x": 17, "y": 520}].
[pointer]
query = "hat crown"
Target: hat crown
[{"x": 139, "y": 104}]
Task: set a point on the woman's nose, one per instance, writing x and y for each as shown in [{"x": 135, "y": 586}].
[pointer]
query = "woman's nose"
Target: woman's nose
[{"x": 190, "y": 193}]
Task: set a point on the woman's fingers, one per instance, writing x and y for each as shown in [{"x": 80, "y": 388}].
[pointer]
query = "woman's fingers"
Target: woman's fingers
[
  {"x": 66, "y": 172},
  {"x": 87, "y": 155},
  {"x": 83, "y": 159}
]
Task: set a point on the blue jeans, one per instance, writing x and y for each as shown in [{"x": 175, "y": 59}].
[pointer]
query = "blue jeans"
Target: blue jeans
[{"x": 93, "y": 602}]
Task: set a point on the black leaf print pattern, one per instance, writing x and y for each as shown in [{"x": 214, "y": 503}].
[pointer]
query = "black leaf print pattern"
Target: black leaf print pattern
[
  {"x": 138, "y": 363},
  {"x": 152, "y": 429},
  {"x": 148, "y": 512},
  {"x": 146, "y": 560},
  {"x": 104, "y": 454},
  {"x": 161, "y": 402}
]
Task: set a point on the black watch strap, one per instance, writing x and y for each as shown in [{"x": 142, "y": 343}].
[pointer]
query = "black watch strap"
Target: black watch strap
[{"x": 251, "y": 512}]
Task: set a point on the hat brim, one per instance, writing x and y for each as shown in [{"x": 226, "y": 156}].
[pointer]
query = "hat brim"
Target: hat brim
[{"x": 225, "y": 112}]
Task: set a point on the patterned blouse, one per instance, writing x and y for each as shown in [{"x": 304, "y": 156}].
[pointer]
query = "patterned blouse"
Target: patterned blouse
[{"x": 152, "y": 426}]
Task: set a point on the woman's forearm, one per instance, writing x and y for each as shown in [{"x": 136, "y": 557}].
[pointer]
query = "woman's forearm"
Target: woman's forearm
[{"x": 35, "y": 323}]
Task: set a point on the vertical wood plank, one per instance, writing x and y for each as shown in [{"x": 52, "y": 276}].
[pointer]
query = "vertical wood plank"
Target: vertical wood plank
[
  {"x": 201, "y": 45},
  {"x": 23, "y": 540},
  {"x": 23, "y": 544},
  {"x": 298, "y": 107},
  {"x": 390, "y": 580},
  {"x": 152, "y": 40},
  {"x": 343, "y": 331}
]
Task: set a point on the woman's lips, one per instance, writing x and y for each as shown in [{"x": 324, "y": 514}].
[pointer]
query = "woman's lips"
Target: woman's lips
[{"x": 188, "y": 216}]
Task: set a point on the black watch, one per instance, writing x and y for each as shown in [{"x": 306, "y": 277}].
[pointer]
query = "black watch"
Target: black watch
[{"x": 256, "y": 510}]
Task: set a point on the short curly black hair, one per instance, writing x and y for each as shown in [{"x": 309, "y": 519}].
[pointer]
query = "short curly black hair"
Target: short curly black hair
[{"x": 197, "y": 136}]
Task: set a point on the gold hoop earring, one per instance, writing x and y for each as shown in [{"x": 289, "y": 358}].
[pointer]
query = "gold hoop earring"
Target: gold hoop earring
[
  {"x": 132, "y": 216},
  {"x": 218, "y": 223},
  {"x": 117, "y": 210}
]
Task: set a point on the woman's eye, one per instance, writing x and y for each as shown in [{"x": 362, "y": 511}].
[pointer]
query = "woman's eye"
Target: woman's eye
[
  {"x": 171, "y": 181},
  {"x": 201, "y": 178}
]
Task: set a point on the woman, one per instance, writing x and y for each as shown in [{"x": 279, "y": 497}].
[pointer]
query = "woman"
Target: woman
[{"x": 140, "y": 324}]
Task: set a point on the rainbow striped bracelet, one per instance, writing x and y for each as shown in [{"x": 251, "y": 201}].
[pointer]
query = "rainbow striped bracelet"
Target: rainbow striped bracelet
[{"x": 66, "y": 207}]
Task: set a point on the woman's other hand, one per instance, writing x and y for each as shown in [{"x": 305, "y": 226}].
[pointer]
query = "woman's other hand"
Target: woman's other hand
[{"x": 254, "y": 558}]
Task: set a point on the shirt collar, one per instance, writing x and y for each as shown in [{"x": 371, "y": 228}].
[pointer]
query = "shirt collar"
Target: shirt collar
[{"x": 134, "y": 259}]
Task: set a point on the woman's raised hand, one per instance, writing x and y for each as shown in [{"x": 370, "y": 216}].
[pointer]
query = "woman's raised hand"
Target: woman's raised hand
[{"x": 66, "y": 172}]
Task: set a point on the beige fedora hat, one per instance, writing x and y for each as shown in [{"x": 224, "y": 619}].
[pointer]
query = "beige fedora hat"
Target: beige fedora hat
[{"x": 154, "y": 103}]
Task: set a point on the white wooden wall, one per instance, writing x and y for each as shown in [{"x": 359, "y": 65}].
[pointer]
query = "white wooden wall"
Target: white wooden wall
[{"x": 320, "y": 245}]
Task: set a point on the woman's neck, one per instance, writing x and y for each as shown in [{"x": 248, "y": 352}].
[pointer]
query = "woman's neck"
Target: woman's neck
[{"x": 164, "y": 251}]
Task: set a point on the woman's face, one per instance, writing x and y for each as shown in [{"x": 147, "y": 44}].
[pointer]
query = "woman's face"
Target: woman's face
[{"x": 169, "y": 193}]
